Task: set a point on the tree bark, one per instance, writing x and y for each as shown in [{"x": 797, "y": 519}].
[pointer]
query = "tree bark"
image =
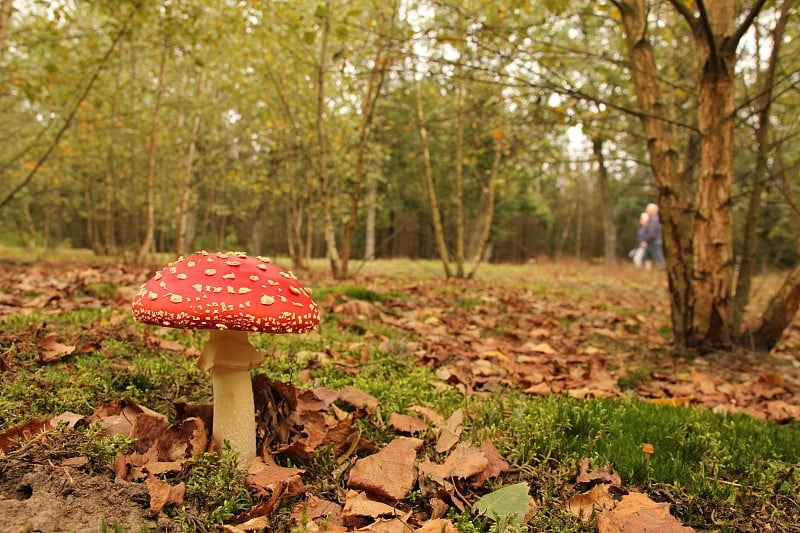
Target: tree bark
[
  {"x": 372, "y": 207},
  {"x": 182, "y": 237},
  {"x": 459, "y": 168},
  {"x": 370, "y": 97},
  {"x": 147, "y": 243},
  {"x": 698, "y": 233},
  {"x": 606, "y": 209},
  {"x": 438, "y": 230},
  {"x": 5, "y": 20},
  {"x": 322, "y": 158},
  {"x": 662, "y": 146},
  {"x": 764, "y": 85},
  {"x": 491, "y": 186}
]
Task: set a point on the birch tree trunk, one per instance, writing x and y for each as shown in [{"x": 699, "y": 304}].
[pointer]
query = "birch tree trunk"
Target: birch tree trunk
[
  {"x": 438, "y": 230},
  {"x": 606, "y": 209},
  {"x": 749, "y": 251},
  {"x": 322, "y": 158},
  {"x": 146, "y": 246},
  {"x": 459, "y": 168},
  {"x": 372, "y": 207},
  {"x": 182, "y": 237},
  {"x": 373, "y": 92},
  {"x": 491, "y": 186}
]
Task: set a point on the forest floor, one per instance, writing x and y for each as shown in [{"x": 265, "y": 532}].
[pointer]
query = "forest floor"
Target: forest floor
[{"x": 569, "y": 330}]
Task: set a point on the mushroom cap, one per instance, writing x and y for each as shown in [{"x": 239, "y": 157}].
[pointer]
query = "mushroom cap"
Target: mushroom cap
[{"x": 226, "y": 290}]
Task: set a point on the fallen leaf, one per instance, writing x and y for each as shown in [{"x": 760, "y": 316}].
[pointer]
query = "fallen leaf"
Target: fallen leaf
[
  {"x": 407, "y": 424},
  {"x": 389, "y": 474},
  {"x": 358, "y": 506},
  {"x": 358, "y": 398},
  {"x": 23, "y": 431},
  {"x": 680, "y": 401},
  {"x": 163, "y": 494},
  {"x": 429, "y": 414},
  {"x": 438, "y": 525},
  {"x": 254, "y": 524},
  {"x": 51, "y": 351},
  {"x": 266, "y": 478},
  {"x": 313, "y": 508},
  {"x": 450, "y": 432},
  {"x": 510, "y": 504},
  {"x": 636, "y": 512},
  {"x": 586, "y": 504},
  {"x": 598, "y": 475},
  {"x": 496, "y": 463}
]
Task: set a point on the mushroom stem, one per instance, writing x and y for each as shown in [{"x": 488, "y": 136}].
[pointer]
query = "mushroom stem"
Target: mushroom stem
[{"x": 229, "y": 355}]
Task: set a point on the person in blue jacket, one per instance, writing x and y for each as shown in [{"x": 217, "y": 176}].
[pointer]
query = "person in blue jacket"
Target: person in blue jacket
[{"x": 653, "y": 240}]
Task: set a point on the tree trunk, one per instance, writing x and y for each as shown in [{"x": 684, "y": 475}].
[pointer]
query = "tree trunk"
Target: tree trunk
[
  {"x": 459, "y": 169},
  {"x": 488, "y": 212},
  {"x": 697, "y": 230},
  {"x": 182, "y": 240},
  {"x": 662, "y": 146},
  {"x": 438, "y": 230},
  {"x": 322, "y": 159},
  {"x": 606, "y": 209},
  {"x": 373, "y": 92},
  {"x": 5, "y": 20},
  {"x": 779, "y": 314},
  {"x": 764, "y": 84},
  {"x": 372, "y": 207},
  {"x": 712, "y": 317},
  {"x": 147, "y": 243}
]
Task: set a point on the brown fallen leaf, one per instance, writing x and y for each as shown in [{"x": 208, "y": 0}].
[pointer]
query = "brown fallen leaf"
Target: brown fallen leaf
[
  {"x": 314, "y": 508},
  {"x": 390, "y": 473},
  {"x": 22, "y": 432},
  {"x": 357, "y": 398},
  {"x": 254, "y": 524},
  {"x": 586, "y": 504},
  {"x": 439, "y": 525},
  {"x": 163, "y": 494},
  {"x": 496, "y": 463},
  {"x": 182, "y": 440},
  {"x": 173, "y": 346},
  {"x": 407, "y": 424},
  {"x": 429, "y": 414},
  {"x": 51, "y": 351},
  {"x": 598, "y": 475},
  {"x": 450, "y": 432},
  {"x": 358, "y": 507},
  {"x": 635, "y": 513},
  {"x": 266, "y": 478},
  {"x": 465, "y": 461},
  {"x": 680, "y": 401}
]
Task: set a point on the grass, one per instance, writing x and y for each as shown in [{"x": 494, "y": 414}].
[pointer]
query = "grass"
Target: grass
[{"x": 717, "y": 470}]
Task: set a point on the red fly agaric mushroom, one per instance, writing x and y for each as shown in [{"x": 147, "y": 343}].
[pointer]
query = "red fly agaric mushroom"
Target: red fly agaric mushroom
[{"x": 230, "y": 294}]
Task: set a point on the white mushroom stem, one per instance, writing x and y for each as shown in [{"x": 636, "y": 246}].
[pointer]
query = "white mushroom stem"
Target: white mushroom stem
[{"x": 229, "y": 356}]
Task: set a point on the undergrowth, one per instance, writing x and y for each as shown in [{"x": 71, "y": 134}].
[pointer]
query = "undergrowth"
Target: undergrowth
[{"x": 717, "y": 471}]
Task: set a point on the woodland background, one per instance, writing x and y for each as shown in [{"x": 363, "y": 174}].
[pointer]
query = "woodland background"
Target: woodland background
[{"x": 464, "y": 131}]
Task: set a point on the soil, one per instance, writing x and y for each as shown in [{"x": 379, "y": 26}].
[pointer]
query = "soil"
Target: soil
[{"x": 51, "y": 498}]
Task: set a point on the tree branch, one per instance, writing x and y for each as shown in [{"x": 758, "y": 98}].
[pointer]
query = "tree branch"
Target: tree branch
[
  {"x": 68, "y": 122},
  {"x": 746, "y": 23}
]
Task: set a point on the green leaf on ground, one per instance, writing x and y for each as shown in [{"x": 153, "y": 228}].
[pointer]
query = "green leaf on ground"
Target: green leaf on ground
[{"x": 508, "y": 505}]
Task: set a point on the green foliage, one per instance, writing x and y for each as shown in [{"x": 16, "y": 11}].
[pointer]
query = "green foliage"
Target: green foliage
[
  {"x": 216, "y": 489},
  {"x": 507, "y": 506}
]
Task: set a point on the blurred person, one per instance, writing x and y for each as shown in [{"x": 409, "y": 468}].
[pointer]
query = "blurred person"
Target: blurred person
[
  {"x": 653, "y": 240},
  {"x": 639, "y": 252}
]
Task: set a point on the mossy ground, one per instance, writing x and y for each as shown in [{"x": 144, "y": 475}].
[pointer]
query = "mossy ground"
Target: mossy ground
[{"x": 720, "y": 472}]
